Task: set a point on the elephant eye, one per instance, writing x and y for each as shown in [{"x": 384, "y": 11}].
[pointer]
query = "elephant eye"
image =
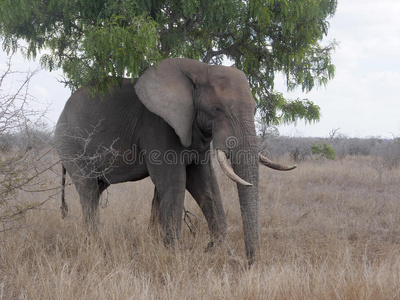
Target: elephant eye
[{"x": 217, "y": 110}]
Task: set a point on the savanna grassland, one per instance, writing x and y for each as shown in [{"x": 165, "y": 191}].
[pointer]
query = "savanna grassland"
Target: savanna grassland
[{"x": 329, "y": 230}]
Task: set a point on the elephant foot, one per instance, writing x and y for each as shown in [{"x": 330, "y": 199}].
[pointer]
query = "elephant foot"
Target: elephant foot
[
  {"x": 213, "y": 244},
  {"x": 210, "y": 247},
  {"x": 64, "y": 210}
]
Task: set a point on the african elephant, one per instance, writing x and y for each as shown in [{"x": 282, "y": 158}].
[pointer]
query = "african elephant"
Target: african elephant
[{"x": 161, "y": 125}]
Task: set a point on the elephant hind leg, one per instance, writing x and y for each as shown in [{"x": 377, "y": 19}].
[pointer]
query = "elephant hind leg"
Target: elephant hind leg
[{"x": 89, "y": 191}]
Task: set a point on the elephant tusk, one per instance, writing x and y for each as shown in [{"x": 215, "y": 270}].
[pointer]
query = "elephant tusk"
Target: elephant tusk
[
  {"x": 222, "y": 160},
  {"x": 270, "y": 164}
]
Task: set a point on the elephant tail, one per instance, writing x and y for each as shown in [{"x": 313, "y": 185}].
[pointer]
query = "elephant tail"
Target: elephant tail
[{"x": 64, "y": 206}]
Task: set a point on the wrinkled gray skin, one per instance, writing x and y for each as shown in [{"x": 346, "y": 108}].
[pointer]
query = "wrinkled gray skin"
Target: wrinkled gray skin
[{"x": 178, "y": 106}]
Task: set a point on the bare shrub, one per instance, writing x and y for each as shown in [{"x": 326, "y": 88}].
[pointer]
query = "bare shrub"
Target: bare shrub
[
  {"x": 24, "y": 148},
  {"x": 6, "y": 142},
  {"x": 340, "y": 145},
  {"x": 298, "y": 149},
  {"x": 389, "y": 152}
]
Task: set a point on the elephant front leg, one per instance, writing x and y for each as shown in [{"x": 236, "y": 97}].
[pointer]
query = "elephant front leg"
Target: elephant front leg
[
  {"x": 168, "y": 200},
  {"x": 203, "y": 186}
]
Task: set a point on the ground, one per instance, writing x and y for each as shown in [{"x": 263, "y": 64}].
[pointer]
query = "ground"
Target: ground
[{"x": 329, "y": 230}]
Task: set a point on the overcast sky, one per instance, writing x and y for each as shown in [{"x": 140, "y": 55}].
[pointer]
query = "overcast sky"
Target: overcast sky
[{"x": 362, "y": 100}]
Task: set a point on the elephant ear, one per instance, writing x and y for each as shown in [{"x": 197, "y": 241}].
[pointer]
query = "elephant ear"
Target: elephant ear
[{"x": 167, "y": 91}]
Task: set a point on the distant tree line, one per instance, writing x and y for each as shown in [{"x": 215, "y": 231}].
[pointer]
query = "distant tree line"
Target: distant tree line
[
  {"x": 301, "y": 148},
  {"x": 29, "y": 138}
]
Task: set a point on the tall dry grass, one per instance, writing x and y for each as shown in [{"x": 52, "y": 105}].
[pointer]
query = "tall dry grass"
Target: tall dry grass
[{"x": 329, "y": 230}]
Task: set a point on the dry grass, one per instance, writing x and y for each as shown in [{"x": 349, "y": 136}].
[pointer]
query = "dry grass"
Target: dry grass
[{"x": 329, "y": 230}]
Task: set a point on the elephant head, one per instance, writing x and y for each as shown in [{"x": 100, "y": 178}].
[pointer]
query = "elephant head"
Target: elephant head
[{"x": 204, "y": 103}]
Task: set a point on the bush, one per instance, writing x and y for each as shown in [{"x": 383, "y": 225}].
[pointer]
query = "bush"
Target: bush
[{"x": 323, "y": 150}]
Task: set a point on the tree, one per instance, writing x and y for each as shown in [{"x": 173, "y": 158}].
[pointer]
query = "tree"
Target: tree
[{"x": 100, "y": 41}]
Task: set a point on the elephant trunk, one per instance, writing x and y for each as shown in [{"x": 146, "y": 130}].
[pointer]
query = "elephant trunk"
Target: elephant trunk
[
  {"x": 245, "y": 157},
  {"x": 245, "y": 164}
]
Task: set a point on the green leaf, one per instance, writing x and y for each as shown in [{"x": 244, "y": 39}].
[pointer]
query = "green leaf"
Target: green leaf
[{"x": 98, "y": 42}]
